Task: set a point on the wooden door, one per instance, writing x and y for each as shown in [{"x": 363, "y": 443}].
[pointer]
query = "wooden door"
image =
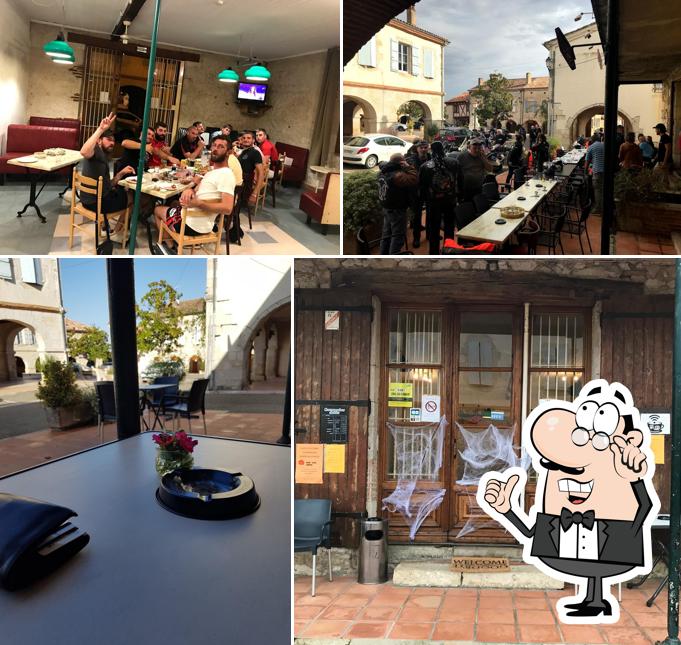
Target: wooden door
[{"x": 332, "y": 366}]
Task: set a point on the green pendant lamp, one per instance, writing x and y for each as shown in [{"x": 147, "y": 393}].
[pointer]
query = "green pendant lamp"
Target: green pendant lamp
[
  {"x": 228, "y": 76},
  {"x": 59, "y": 48},
  {"x": 64, "y": 61},
  {"x": 258, "y": 73}
]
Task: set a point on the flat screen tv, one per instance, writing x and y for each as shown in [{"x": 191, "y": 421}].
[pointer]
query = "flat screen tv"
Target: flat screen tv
[{"x": 252, "y": 92}]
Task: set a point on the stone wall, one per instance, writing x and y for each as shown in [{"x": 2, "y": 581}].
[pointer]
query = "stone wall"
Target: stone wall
[{"x": 14, "y": 81}]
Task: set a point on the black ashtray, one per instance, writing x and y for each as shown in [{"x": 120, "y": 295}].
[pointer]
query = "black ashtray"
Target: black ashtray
[
  {"x": 500, "y": 221},
  {"x": 206, "y": 494},
  {"x": 521, "y": 198}
]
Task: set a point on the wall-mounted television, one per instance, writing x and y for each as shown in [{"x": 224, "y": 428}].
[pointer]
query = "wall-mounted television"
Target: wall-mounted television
[{"x": 255, "y": 92}]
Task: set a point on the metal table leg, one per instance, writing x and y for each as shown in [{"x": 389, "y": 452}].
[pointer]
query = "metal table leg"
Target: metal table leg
[{"x": 33, "y": 178}]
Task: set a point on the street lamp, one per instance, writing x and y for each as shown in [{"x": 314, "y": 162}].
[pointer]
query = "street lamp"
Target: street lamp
[{"x": 583, "y": 13}]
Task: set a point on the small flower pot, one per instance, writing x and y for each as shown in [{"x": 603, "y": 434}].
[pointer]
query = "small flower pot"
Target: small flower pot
[{"x": 68, "y": 417}]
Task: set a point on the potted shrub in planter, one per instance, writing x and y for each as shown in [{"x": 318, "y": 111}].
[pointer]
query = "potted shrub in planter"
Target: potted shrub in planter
[
  {"x": 66, "y": 405},
  {"x": 641, "y": 204},
  {"x": 362, "y": 213}
]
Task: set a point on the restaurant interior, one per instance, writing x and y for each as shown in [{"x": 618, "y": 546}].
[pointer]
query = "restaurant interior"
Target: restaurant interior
[{"x": 69, "y": 64}]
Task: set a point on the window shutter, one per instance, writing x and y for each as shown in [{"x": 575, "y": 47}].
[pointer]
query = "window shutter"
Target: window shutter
[
  {"x": 415, "y": 61},
  {"x": 372, "y": 52},
  {"x": 6, "y": 268},
  {"x": 393, "y": 56},
  {"x": 428, "y": 63},
  {"x": 31, "y": 272},
  {"x": 367, "y": 55}
]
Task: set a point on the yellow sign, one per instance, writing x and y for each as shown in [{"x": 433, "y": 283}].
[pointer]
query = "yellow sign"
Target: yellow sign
[
  {"x": 657, "y": 446},
  {"x": 400, "y": 395},
  {"x": 334, "y": 457},
  {"x": 309, "y": 463}
]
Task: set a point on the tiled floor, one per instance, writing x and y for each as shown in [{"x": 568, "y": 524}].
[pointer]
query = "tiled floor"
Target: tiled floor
[
  {"x": 344, "y": 608},
  {"x": 39, "y": 447},
  {"x": 280, "y": 231}
]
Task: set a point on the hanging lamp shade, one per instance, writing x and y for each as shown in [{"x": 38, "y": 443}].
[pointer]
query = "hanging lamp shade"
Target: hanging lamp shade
[
  {"x": 228, "y": 76},
  {"x": 59, "y": 48},
  {"x": 258, "y": 73},
  {"x": 64, "y": 61}
]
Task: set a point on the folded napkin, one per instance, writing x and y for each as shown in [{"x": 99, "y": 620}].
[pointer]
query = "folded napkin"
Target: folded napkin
[{"x": 35, "y": 539}]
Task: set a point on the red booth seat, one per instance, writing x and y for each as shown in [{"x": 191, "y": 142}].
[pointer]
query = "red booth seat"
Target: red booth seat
[
  {"x": 62, "y": 122},
  {"x": 323, "y": 206},
  {"x": 23, "y": 140},
  {"x": 296, "y": 172}
]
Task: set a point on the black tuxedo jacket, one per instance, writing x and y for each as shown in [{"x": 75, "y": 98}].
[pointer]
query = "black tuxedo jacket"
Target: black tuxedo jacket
[{"x": 619, "y": 541}]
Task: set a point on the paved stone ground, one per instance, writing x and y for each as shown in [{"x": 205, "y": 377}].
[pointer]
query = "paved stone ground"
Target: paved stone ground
[{"x": 345, "y": 609}]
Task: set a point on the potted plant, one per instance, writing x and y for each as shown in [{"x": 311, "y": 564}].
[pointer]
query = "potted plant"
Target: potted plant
[
  {"x": 431, "y": 131},
  {"x": 362, "y": 212},
  {"x": 66, "y": 405},
  {"x": 641, "y": 203}
]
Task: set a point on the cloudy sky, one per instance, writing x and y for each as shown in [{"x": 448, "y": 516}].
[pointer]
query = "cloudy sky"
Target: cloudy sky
[{"x": 492, "y": 36}]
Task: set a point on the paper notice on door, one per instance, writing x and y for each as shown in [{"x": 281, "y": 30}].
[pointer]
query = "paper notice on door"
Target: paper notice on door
[
  {"x": 400, "y": 395},
  {"x": 430, "y": 407},
  {"x": 657, "y": 447},
  {"x": 309, "y": 463},
  {"x": 334, "y": 458}
]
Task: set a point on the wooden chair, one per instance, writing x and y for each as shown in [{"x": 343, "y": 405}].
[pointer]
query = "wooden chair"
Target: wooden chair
[
  {"x": 191, "y": 241},
  {"x": 83, "y": 184},
  {"x": 276, "y": 175},
  {"x": 233, "y": 218},
  {"x": 261, "y": 194}
]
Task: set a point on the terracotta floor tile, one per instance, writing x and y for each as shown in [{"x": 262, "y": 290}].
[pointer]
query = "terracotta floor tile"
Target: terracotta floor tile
[
  {"x": 340, "y": 613},
  {"x": 412, "y": 630},
  {"x": 649, "y": 619},
  {"x": 326, "y": 628},
  {"x": 447, "y": 631},
  {"x": 319, "y": 599},
  {"x": 540, "y": 634},
  {"x": 581, "y": 634},
  {"x": 378, "y": 613},
  {"x": 428, "y": 591},
  {"x": 298, "y": 627},
  {"x": 368, "y": 630},
  {"x": 656, "y": 635},
  {"x": 535, "y": 617},
  {"x": 456, "y": 614},
  {"x": 417, "y": 615},
  {"x": 494, "y": 633},
  {"x": 625, "y": 635},
  {"x": 431, "y": 602},
  {"x": 495, "y": 602},
  {"x": 307, "y": 612},
  {"x": 361, "y": 590},
  {"x": 462, "y": 591},
  {"x": 504, "y": 615},
  {"x": 350, "y": 600},
  {"x": 531, "y": 603},
  {"x": 387, "y": 600},
  {"x": 494, "y": 592}
]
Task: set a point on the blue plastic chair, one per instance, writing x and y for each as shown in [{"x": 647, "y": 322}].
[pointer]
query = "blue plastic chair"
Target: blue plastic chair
[{"x": 312, "y": 529}]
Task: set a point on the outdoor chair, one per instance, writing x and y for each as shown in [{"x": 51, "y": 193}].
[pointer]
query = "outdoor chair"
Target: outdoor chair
[
  {"x": 192, "y": 241},
  {"x": 579, "y": 226},
  {"x": 190, "y": 404},
  {"x": 312, "y": 529},
  {"x": 82, "y": 184},
  {"x": 465, "y": 214},
  {"x": 481, "y": 203},
  {"x": 491, "y": 191},
  {"x": 106, "y": 405},
  {"x": 168, "y": 396},
  {"x": 551, "y": 229}
]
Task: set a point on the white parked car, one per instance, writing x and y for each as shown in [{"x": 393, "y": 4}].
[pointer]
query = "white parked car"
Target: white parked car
[{"x": 370, "y": 149}]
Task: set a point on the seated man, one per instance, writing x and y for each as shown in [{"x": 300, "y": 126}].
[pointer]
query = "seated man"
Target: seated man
[
  {"x": 97, "y": 152},
  {"x": 214, "y": 193},
  {"x": 131, "y": 152},
  {"x": 251, "y": 165},
  {"x": 160, "y": 150},
  {"x": 228, "y": 131},
  {"x": 190, "y": 146},
  {"x": 266, "y": 146}
]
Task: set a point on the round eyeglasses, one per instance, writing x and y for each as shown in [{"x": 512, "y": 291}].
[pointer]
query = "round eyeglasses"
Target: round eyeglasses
[{"x": 600, "y": 440}]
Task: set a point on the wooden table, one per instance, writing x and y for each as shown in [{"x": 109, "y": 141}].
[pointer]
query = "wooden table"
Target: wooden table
[
  {"x": 322, "y": 170},
  {"x": 149, "y": 186},
  {"x": 149, "y": 576},
  {"x": 484, "y": 228},
  {"x": 574, "y": 156},
  {"x": 48, "y": 164},
  {"x": 567, "y": 170},
  {"x": 528, "y": 192}
]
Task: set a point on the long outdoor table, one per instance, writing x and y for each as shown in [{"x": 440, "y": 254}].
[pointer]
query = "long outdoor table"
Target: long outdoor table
[
  {"x": 150, "y": 576},
  {"x": 567, "y": 170},
  {"x": 530, "y": 201},
  {"x": 574, "y": 156},
  {"x": 150, "y": 187},
  {"x": 48, "y": 164}
]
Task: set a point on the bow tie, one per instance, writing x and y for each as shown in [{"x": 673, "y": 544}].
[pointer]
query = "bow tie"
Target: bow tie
[{"x": 568, "y": 518}]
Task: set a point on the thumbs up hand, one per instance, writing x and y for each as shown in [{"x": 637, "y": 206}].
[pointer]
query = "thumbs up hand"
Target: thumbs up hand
[{"x": 498, "y": 493}]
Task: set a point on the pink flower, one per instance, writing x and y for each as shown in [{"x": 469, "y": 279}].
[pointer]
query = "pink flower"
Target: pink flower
[{"x": 175, "y": 441}]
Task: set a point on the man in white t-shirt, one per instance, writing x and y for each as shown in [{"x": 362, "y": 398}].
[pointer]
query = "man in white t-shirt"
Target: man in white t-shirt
[{"x": 214, "y": 193}]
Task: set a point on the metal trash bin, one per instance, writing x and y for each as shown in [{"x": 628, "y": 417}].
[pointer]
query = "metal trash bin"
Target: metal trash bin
[{"x": 373, "y": 552}]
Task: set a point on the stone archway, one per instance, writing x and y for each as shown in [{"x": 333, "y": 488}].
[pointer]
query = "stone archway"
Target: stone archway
[
  {"x": 582, "y": 122},
  {"x": 359, "y": 116},
  {"x": 420, "y": 124},
  {"x": 28, "y": 351},
  {"x": 269, "y": 347}
]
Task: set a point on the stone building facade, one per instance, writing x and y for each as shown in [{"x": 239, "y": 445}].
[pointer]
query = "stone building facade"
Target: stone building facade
[
  {"x": 31, "y": 315},
  {"x": 401, "y": 63}
]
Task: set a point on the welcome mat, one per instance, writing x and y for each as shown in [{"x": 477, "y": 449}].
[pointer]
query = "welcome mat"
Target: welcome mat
[{"x": 479, "y": 564}]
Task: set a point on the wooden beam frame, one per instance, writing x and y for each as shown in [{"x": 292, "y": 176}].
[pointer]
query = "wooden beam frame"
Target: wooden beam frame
[
  {"x": 131, "y": 50},
  {"x": 130, "y": 14}
]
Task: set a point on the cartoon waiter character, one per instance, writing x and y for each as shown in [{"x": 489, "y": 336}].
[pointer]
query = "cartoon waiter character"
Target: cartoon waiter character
[{"x": 594, "y": 501}]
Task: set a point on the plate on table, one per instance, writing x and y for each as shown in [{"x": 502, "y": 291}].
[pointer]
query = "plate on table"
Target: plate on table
[{"x": 28, "y": 159}]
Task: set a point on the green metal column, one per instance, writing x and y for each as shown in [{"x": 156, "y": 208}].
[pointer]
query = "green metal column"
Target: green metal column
[
  {"x": 145, "y": 125},
  {"x": 675, "y": 502}
]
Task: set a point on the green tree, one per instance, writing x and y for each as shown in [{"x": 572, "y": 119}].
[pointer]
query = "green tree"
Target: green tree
[
  {"x": 494, "y": 101},
  {"x": 412, "y": 109},
  {"x": 93, "y": 344},
  {"x": 159, "y": 320}
]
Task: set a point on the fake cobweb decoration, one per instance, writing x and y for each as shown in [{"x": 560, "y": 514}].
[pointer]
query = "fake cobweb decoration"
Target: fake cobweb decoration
[
  {"x": 418, "y": 457},
  {"x": 483, "y": 451}
]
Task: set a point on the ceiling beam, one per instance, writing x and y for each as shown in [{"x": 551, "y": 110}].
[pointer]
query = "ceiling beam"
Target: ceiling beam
[
  {"x": 140, "y": 50},
  {"x": 129, "y": 13}
]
